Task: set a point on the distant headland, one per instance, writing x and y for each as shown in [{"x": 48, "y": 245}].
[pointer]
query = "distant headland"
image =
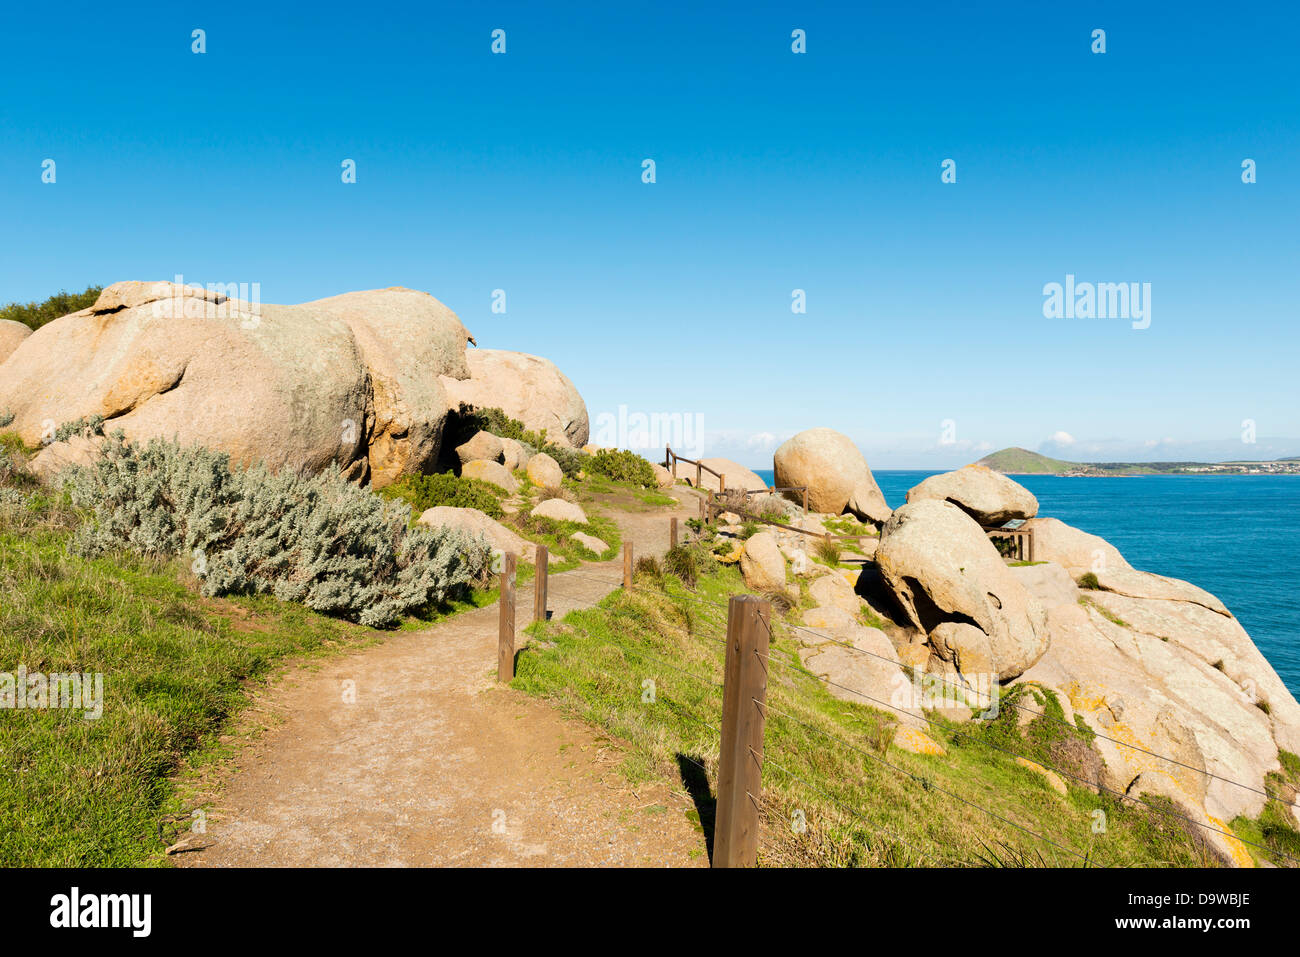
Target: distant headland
[{"x": 1017, "y": 461}]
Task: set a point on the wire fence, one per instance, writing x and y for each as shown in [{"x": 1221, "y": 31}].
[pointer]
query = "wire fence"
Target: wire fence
[{"x": 740, "y": 786}]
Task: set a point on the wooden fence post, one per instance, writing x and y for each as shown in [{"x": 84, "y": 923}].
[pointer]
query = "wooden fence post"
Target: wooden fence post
[
  {"x": 698, "y": 473},
  {"x": 542, "y": 565},
  {"x": 672, "y": 532},
  {"x": 722, "y": 483},
  {"x": 740, "y": 764},
  {"x": 506, "y": 622},
  {"x": 627, "y": 565}
]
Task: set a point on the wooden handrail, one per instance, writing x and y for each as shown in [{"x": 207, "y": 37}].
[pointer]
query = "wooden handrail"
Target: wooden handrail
[
  {"x": 671, "y": 459},
  {"x": 714, "y": 506}
]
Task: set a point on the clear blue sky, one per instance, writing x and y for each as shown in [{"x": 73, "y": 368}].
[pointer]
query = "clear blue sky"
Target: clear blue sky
[{"x": 775, "y": 171}]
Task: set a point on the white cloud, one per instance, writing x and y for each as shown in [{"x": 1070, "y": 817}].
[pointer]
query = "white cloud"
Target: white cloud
[{"x": 1061, "y": 438}]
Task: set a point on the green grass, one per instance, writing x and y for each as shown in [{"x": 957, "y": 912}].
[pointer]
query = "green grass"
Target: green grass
[
  {"x": 625, "y": 496},
  {"x": 557, "y": 536},
  {"x": 1106, "y": 613},
  {"x": 176, "y": 672},
  {"x": 823, "y": 756}
]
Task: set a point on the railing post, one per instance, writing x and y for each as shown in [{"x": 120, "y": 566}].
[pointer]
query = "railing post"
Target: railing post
[
  {"x": 627, "y": 565},
  {"x": 672, "y": 532},
  {"x": 722, "y": 483},
  {"x": 740, "y": 763},
  {"x": 506, "y": 622},
  {"x": 539, "y": 583},
  {"x": 698, "y": 473}
]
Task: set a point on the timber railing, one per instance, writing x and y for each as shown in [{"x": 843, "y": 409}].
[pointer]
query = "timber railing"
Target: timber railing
[
  {"x": 671, "y": 459},
  {"x": 743, "y": 809}
]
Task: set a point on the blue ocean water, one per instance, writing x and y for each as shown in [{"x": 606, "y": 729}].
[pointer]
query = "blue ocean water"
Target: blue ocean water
[{"x": 1236, "y": 536}]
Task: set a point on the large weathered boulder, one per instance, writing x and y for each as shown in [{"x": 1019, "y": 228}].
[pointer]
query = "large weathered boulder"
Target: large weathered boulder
[
  {"x": 513, "y": 454},
  {"x": 663, "y": 477},
  {"x": 1080, "y": 553},
  {"x": 1167, "y": 723},
  {"x": 482, "y": 445},
  {"x": 405, "y": 340},
  {"x": 762, "y": 563},
  {"x": 591, "y": 543},
  {"x": 528, "y": 388},
  {"x": 544, "y": 471},
  {"x": 736, "y": 475},
  {"x": 473, "y": 522},
  {"x": 493, "y": 472},
  {"x": 987, "y": 496},
  {"x": 836, "y": 474},
  {"x": 11, "y": 335},
  {"x": 942, "y": 567},
  {"x": 559, "y": 510},
  {"x": 352, "y": 380}
]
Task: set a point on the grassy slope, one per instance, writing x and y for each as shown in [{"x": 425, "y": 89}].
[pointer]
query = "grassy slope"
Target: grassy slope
[
  {"x": 176, "y": 669},
  {"x": 858, "y": 810}
]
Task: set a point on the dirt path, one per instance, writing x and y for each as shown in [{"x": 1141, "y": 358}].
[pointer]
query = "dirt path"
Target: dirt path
[{"x": 434, "y": 764}]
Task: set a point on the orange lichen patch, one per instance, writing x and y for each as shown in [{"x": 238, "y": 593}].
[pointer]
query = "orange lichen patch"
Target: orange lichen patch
[
  {"x": 1238, "y": 851},
  {"x": 917, "y": 742},
  {"x": 1091, "y": 700}
]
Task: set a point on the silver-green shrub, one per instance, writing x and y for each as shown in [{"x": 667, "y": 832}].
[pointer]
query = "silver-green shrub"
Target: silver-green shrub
[{"x": 318, "y": 540}]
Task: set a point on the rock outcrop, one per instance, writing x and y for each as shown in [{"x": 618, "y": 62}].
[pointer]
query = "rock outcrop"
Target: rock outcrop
[
  {"x": 473, "y": 522},
  {"x": 364, "y": 381},
  {"x": 987, "y": 496},
  {"x": 1080, "y": 554},
  {"x": 544, "y": 471},
  {"x": 762, "y": 563},
  {"x": 352, "y": 380},
  {"x": 11, "y": 336},
  {"x": 528, "y": 388},
  {"x": 482, "y": 445},
  {"x": 493, "y": 472},
  {"x": 735, "y": 474},
  {"x": 943, "y": 570},
  {"x": 561, "y": 511},
  {"x": 836, "y": 474}
]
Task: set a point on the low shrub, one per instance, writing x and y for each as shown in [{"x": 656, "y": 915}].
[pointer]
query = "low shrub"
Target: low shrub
[
  {"x": 320, "y": 541},
  {"x": 828, "y": 550},
  {"x": 622, "y": 465},
  {"x": 422, "y": 492},
  {"x": 86, "y": 427},
  {"x": 36, "y": 314},
  {"x": 1089, "y": 581}
]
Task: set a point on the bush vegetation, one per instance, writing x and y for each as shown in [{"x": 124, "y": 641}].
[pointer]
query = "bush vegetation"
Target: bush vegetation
[
  {"x": 318, "y": 540},
  {"x": 495, "y": 421},
  {"x": 36, "y": 314},
  {"x": 423, "y": 492},
  {"x": 622, "y": 465}
]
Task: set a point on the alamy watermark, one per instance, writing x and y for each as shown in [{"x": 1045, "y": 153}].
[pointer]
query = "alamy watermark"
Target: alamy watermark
[
  {"x": 927, "y": 692},
  {"x": 1102, "y": 300},
  {"x": 215, "y": 300},
  {"x": 36, "y": 691},
  {"x": 684, "y": 431}
]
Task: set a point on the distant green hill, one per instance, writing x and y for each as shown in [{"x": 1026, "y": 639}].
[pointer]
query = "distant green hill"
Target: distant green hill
[{"x": 1019, "y": 461}]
